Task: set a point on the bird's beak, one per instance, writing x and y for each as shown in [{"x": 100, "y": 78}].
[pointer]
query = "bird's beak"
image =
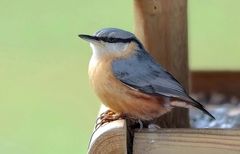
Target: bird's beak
[{"x": 88, "y": 38}]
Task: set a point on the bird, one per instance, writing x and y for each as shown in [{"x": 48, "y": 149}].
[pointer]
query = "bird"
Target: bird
[{"x": 129, "y": 81}]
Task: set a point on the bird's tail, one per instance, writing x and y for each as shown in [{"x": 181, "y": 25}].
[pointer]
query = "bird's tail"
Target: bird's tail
[
  {"x": 200, "y": 107},
  {"x": 189, "y": 101}
]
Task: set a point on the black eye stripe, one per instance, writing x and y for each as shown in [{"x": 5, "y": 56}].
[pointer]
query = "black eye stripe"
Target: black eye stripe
[
  {"x": 115, "y": 40},
  {"x": 118, "y": 40}
]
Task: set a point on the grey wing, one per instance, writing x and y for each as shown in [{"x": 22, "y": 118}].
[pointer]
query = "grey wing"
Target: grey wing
[{"x": 142, "y": 73}]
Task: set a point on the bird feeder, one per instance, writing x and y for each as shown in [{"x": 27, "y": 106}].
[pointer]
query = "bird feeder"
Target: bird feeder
[{"x": 162, "y": 27}]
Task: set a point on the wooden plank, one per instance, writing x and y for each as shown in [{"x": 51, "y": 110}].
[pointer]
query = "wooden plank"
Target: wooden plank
[
  {"x": 182, "y": 141},
  {"x": 226, "y": 82},
  {"x": 162, "y": 27},
  {"x": 109, "y": 138}
]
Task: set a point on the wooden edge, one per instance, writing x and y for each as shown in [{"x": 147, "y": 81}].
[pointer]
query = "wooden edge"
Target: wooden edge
[
  {"x": 109, "y": 138},
  {"x": 180, "y": 141},
  {"x": 226, "y": 82}
]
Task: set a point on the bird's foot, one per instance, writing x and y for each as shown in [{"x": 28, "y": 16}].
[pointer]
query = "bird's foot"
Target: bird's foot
[
  {"x": 140, "y": 124},
  {"x": 153, "y": 127},
  {"x": 108, "y": 116}
]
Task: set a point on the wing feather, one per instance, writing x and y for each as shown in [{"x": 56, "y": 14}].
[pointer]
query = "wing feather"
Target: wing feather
[{"x": 142, "y": 73}]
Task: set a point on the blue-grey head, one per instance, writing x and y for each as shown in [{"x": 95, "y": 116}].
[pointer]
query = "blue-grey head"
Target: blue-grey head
[{"x": 111, "y": 41}]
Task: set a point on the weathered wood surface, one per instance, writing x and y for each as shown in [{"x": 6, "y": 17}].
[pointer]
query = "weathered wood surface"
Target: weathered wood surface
[
  {"x": 226, "y": 82},
  {"x": 110, "y": 138},
  {"x": 162, "y": 27},
  {"x": 187, "y": 141}
]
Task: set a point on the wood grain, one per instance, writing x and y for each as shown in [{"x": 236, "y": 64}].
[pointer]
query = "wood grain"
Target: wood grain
[
  {"x": 162, "y": 27},
  {"x": 182, "y": 141}
]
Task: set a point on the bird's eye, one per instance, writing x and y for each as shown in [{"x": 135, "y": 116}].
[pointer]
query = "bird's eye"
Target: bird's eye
[{"x": 111, "y": 39}]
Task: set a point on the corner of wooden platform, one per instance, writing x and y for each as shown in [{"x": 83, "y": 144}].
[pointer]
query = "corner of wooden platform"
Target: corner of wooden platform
[
  {"x": 112, "y": 138},
  {"x": 109, "y": 138}
]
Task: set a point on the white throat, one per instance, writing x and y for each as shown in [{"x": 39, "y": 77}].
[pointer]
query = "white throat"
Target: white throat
[{"x": 103, "y": 49}]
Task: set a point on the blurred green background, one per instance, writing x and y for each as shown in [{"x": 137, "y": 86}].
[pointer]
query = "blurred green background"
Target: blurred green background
[{"x": 46, "y": 103}]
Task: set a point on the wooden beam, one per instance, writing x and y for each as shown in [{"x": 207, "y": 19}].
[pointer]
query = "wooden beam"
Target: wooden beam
[
  {"x": 225, "y": 82},
  {"x": 182, "y": 141},
  {"x": 162, "y": 27}
]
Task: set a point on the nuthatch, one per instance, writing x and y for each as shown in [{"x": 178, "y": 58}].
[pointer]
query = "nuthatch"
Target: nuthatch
[{"x": 129, "y": 81}]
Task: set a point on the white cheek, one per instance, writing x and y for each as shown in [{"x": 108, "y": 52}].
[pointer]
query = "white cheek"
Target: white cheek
[
  {"x": 100, "y": 50},
  {"x": 97, "y": 50},
  {"x": 96, "y": 56}
]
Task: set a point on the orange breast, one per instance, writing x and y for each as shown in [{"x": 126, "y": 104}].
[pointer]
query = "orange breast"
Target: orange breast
[
  {"x": 121, "y": 98},
  {"x": 118, "y": 96}
]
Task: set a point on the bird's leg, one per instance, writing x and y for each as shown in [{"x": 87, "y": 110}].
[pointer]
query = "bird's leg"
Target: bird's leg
[
  {"x": 152, "y": 125},
  {"x": 140, "y": 124},
  {"x": 107, "y": 117}
]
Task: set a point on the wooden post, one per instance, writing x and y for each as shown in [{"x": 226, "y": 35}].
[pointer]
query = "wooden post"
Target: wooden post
[{"x": 162, "y": 27}]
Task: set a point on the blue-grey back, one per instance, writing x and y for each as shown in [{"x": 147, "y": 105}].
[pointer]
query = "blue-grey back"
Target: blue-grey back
[{"x": 143, "y": 73}]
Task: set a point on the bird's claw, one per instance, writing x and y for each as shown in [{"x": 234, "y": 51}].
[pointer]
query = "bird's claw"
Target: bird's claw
[
  {"x": 140, "y": 124},
  {"x": 107, "y": 117},
  {"x": 153, "y": 127}
]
